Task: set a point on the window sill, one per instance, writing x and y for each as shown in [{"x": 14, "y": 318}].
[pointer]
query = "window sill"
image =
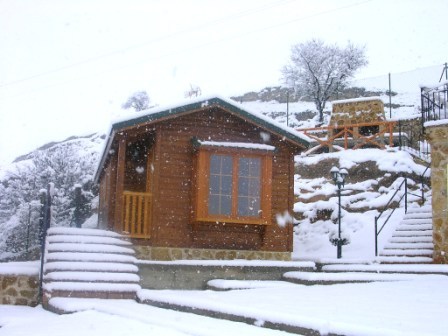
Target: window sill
[{"x": 245, "y": 221}]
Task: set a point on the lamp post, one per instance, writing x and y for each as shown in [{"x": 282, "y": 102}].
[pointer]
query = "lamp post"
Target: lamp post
[{"x": 339, "y": 177}]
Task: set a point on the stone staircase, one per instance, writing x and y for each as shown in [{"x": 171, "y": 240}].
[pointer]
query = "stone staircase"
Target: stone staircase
[
  {"x": 412, "y": 241},
  {"x": 88, "y": 263}
]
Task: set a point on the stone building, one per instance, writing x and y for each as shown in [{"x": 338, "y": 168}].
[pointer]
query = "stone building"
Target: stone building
[
  {"x": 437, "y": 134},
  {"x": 358, "y": 111}
]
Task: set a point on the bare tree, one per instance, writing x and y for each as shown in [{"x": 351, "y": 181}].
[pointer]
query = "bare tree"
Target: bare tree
[
  {"x": 317, "y": 70},
  {"x": 194, "y": 91},
  {"x": 139, "y": 101}
]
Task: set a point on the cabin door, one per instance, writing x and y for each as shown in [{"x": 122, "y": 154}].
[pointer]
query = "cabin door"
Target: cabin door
[{"x": 137, "y": 193}]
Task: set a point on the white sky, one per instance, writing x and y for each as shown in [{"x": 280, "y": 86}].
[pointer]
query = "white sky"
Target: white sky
[{"x": 67, "y": 66}]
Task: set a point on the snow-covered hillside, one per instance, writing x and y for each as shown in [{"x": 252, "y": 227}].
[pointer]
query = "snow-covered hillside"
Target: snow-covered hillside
[{"x": 65, "y": 164}]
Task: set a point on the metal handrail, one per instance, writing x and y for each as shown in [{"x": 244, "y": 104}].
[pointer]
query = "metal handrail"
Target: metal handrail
[{"x": 377, "y": 233}]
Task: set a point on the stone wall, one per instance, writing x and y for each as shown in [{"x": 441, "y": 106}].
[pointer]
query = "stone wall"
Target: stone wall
[
  {"x": 356, "y": 111},
  {"x": 19, "y": 289},
  {"x": 438, "y": 138},
  {"x": 171, "y": 253}
]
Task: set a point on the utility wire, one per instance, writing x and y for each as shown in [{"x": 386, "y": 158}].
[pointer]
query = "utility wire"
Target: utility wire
[
  {"x": 149, "y": 42},
  {"x": 176, "y": 52}
]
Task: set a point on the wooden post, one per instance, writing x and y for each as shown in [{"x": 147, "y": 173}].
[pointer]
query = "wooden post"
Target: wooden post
[
  {"x": 121, "y": 164},
  {"x": 78, "y": 205}
]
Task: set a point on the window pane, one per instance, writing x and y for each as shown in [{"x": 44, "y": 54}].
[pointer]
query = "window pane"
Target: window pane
[
  {"x": 214, "y": 184},
  {"x": 249, "y": 186},
  {"x": 215, "y": 164},
  {"x": 226, "y": 165},
  {"x": 226, "y": 205},
  {"x": 226, "y": 185},
  {"x": 213, "y": 204},
  {"x": 220, "y": 185},
  {"x": 243, "y": 186},
  {"x": 243, "y": 206}
]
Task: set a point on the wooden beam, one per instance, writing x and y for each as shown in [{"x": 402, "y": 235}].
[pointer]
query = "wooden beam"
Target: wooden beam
[{"x": 119, "y": 202}]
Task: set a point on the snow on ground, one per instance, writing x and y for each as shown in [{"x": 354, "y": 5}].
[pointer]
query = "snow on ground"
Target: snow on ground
[
  {"x": 118, "y": 318},
  {"x": 387, "y": 308},
  {"x": 361, "y": 199}
]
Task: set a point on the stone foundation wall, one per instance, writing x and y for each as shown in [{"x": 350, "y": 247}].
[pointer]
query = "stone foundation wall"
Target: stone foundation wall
[
  {"x": 171, "y": 253},
  {"x": 438, "y": 138},
  {"x": 19, "y": 289}
]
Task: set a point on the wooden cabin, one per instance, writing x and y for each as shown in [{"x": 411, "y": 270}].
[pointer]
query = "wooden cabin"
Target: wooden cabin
[{"x": 204, "y": 180}]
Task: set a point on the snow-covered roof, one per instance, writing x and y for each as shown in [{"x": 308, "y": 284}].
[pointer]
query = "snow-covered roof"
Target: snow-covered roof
[
  {"x": 237, "y": 145},
  {"x": 433, "y": 85},
  {"x": 155, "y": 115},
  {"x": 355, "y": 100}
]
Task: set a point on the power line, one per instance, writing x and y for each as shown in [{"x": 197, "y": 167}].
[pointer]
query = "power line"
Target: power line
[
  {"x": 157, "y": 39},
  {"x": 176, "y": 52}
]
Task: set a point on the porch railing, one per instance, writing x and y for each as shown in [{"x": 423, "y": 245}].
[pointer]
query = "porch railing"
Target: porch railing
[
  {"x": 137, "y": 213},
  {"x": 351, "y": 135}
]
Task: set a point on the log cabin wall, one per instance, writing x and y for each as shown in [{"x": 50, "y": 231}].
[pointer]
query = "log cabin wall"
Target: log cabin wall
[{"x": 173, "y": 186}]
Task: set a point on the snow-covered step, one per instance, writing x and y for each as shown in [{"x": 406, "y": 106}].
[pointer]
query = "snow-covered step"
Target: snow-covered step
[
  {"x": 412, "y": 233},
  {"x": 83, "y": 232},
  {"x": 224, "y": 284},
  {"x": 416, "y": 221},
  {"x": 330, "y": 278},
  {"x": 414, "y": 227},
  {"x": 424, "y": 209},
  {"x": 91, "y": 248},
  {"x": 389, "y": 268},
  {"x": 92, "y": 277},
  {"x": 404, "y": 260},
  {"x": 90, "y": 257},
  {"x": 409, "y": 245},
  {"x": 83, "y": 239},
  {"x": 89, "y": 266},
  {"x": 417, "y": 239},
  {"x": 89, "y": 263},
  {"x": 408, "y": 252}
]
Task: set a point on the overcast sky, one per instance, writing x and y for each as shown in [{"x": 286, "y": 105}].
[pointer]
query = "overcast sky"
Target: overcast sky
[{"x": 66, "y": 66}]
